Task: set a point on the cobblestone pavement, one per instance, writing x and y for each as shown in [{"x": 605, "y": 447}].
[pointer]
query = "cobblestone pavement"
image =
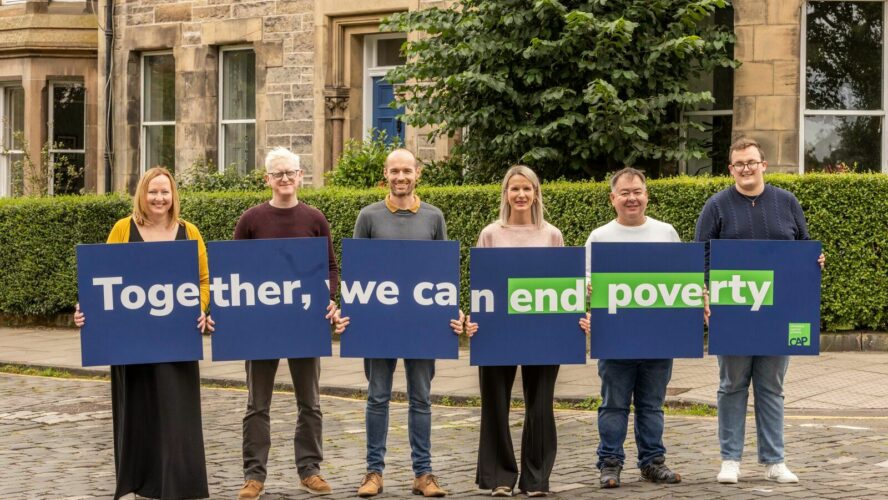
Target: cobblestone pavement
[{"x": 55, "y": 442}]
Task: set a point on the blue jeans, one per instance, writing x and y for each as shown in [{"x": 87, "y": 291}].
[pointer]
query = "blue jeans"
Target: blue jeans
[
  {"x": 766, "y": 374},
  {"x": 624, "y": 381},
  {"x": 419, "y": 414}
]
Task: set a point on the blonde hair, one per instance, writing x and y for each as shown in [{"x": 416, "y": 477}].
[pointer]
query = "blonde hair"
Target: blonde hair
[
  {"x": 536, "y": 210},
  {"x": 140, "y": 200}
]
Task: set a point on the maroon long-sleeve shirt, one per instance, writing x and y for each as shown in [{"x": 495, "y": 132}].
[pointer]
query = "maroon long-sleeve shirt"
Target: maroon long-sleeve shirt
[{"x": 302, "y": 221}]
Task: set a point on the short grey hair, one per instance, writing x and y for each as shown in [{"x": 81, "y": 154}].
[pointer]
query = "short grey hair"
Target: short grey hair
[
  {"x": 281, "y": 154},
  {"x": 634, "y": 172}
]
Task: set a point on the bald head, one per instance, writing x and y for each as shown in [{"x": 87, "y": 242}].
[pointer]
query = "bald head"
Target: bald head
[{"x": 401, "y": 156}]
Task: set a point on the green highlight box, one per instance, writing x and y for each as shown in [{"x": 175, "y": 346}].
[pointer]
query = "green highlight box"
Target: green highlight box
[
  {"x": 799, "y": 335},
  {"x": 547, "y": 295},
  {"x": 722, "y": 294},
  {"x": 646, "y": 290}
]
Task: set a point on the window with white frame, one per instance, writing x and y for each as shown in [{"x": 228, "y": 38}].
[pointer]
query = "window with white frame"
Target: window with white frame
[
  {"x": 381, "y": 53},
  {"x": 67, "y": 137},
  {"x": 158, "y": 134},
  {"x": 12, "y": 109},
  {"x": 843, "y": 86},
  {"x": 237, "y": 109},
  {"x": 715, "y": 118}
]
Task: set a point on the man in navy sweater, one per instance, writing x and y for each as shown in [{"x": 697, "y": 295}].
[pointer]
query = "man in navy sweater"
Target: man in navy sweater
[{"x": 751, "y": 209}]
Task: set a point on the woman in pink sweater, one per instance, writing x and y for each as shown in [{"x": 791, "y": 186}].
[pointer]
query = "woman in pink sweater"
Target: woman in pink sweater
[{"x": 521, "y": 224}]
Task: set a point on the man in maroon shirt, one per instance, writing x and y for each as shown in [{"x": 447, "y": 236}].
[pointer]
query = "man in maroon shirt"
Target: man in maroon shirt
[{"x": 285, "y": 217}]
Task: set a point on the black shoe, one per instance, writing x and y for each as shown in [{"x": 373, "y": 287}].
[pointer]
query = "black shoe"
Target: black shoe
[
  {"x": 610, "y": 473},
  {"x": 657, "y": 472}
]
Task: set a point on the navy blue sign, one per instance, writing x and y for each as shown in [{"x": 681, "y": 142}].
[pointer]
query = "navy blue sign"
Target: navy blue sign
[
  {"x": 141, "y": 302},
  {"x": 765, "y": 297},
  {"x": 527, "y": 303},
  {"x": 647, "y": 300},
  {"x": 270, "y": 298},
  {"x": 400, "y": 296}
]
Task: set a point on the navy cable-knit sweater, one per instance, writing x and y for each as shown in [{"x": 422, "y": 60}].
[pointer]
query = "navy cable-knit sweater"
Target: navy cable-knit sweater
[{"x": 730, "y": 215}]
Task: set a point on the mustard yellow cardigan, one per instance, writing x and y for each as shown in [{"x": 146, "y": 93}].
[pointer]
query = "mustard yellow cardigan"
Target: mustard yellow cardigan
[{"x": 120, "y": 233}]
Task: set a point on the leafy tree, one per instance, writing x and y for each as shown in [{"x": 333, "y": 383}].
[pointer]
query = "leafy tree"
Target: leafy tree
[{"x": 572, "y": 87}]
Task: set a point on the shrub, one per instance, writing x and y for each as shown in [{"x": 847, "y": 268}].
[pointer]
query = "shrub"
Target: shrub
[
  {"x": 848, "y": 213},
  {"x": 448, "y": 172},
  {"x": 361, "y": 163},
  {"x": 204, "y": 176}
]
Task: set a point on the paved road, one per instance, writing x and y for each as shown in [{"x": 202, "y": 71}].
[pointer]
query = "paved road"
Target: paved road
[{"x": 55, "y": 439}]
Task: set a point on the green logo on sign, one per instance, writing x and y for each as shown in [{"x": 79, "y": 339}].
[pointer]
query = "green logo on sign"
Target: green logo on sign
[
  {"x": 741, "y": 288},
  {"x": 547, "y": 295},
  {"x": 799, "y": 334},
  {"x": 614, "y": 291}
]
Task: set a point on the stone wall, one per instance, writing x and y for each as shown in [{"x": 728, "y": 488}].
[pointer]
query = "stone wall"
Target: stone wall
[{"x": 766, "y": 86}]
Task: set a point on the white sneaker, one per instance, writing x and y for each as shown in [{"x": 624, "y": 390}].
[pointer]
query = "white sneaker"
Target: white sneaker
[
  {"x": 779, "y": 473},
  {"x": 730, "y": 472}
]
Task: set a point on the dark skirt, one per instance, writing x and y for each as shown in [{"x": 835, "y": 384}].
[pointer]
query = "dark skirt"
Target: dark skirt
[{"x": 158, "y": 437}]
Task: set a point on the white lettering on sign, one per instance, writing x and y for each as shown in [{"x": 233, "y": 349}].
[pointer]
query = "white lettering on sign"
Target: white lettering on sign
[
  {"x": 387, "y": 293},
  {"x": 163, "y": 297}
]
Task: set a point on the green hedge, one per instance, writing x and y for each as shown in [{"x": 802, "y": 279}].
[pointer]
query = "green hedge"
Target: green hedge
[{"x": 849, "y": 213}]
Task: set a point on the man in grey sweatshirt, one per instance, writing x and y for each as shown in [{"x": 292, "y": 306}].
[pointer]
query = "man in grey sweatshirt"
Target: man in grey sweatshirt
[{"x": 401, "y": 216}]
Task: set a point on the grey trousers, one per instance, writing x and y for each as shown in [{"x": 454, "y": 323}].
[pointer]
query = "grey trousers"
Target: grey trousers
[{"x": 257, "y": 422}]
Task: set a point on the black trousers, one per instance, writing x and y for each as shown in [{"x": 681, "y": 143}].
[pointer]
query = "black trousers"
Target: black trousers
[{"x": 496, "y": 456}]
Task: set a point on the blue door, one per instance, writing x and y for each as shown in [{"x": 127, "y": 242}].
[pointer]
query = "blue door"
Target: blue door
[{"x": 384, "y": 117}]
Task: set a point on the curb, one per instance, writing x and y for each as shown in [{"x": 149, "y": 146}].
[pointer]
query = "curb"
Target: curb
[{"x": 337, "y": 391}]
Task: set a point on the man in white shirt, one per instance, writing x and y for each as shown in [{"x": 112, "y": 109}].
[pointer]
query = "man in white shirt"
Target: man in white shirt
[{"x": 641, "y": 382}]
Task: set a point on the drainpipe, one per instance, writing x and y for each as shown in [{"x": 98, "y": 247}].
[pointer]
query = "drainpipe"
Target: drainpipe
[{"x": 109, "y": 92}]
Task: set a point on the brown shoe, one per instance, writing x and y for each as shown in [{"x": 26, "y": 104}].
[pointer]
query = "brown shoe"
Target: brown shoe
[
  {"x": 251, "y": 490},
  {"x": 427, "y": 486},
  {"x": 316, "y": 485},
  {"x": 371, "y": 485}
]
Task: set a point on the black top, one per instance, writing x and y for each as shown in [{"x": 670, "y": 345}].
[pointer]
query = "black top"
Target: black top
[{"x": 135, "y": 236}]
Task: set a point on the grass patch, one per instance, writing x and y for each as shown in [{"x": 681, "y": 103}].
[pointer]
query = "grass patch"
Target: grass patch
[
  {"x": 694, "y": 410},
  {"x": 588, "y": 404},
  {"x": 39, "y": 371}
]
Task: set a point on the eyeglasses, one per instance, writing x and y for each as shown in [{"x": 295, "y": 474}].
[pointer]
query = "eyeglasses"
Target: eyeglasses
[
  {"x": 751, "y": 165},
  {"x": 278, "y": 175}
]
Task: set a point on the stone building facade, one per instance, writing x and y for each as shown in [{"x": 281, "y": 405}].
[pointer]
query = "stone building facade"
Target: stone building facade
[
  {"x": 219, "y": 82},
  {"x": 48, "y": 95},
  {"x": 309, "y": 79}
]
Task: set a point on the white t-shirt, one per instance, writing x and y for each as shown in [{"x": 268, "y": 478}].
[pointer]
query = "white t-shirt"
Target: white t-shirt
[{"x": 652, "y": 231}]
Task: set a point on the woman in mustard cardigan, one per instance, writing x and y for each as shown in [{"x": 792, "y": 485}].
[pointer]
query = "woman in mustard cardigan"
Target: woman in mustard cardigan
[{"x": 158, "y": 436}]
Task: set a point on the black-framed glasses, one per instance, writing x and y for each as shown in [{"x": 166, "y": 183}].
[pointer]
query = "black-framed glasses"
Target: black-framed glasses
[
  {"x": 751, "y": 165},
  {"x": 278, "y": 175}
]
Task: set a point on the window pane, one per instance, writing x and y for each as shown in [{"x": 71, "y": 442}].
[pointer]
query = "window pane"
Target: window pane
[
  {"x": 160, "y": 88},
  {"x": 844, "y": 55},
  {"x": 67, "y": 175},
  {"x": 14, "y": 119},
  {"x": 160, "y": 146},
  {"x": 240, "y": 147},
  {"x": 67, "y": 117},
  {"x": 388, "y": 52},
  {"x": 830, "y": 140},
  {"x": 239, "y": 85},
  {"x": 716, "y": 140},
  {"x": 719, "y": 82}
]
